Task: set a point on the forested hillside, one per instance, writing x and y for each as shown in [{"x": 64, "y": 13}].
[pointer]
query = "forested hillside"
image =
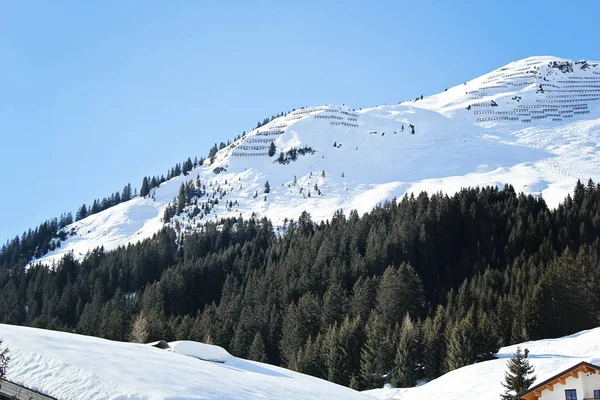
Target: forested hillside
[{"x": 419, "y": 286}]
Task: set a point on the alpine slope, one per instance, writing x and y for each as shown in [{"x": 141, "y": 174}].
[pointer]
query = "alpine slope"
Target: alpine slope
[
  {"x": 483, "y": 381},
  {"x": 67, "y": 366},
  {"x": 534, "y": 124}
]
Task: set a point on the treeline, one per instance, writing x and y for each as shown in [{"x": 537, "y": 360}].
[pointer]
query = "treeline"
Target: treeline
[
  {"x": 48, "y": 235},
  {"x": 417, "y": 287},
  {"x": 107, "y": 202},
  {"x": 35, "y": 242}
]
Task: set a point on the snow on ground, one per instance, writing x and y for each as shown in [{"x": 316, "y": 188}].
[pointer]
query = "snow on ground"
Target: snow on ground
[
  {"x": 540, "y": 140},
  {"x": 69, "y": 366},
  {"x": 483, "y": 381}
]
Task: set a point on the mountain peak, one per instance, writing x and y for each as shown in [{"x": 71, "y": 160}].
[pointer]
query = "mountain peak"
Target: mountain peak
[{"x": 533, "y": 123}]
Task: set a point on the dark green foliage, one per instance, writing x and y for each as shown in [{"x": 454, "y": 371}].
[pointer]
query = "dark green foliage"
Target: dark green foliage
[
  {"x": 475, "y": 271},
  {"x": 267, "y": 187},
  {"x": 292, "y": 154},
  {"x": 408, "y": 355},
  {"x": 519, "y": 376},
  {"x": 257, "y": 349},
  {"x": 377, "y": 353},
  {"x": 272, "y": 149},
  {"x": 145, "y": 189}
]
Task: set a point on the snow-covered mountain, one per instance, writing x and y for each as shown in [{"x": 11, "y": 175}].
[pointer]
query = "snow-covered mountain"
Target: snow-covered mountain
[
  {"x": 69, "y": 366},
  {"x": 533, "y": 123},
  {"x": 483, "y": 381}
]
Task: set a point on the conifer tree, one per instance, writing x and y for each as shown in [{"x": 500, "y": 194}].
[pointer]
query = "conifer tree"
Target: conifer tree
[
  {"x": 460, "y": 343},
  {"x": 81, "y": 213},
  {"x": 433, "y": 344},
  {"x": 145, "y": 189},
  {"x": 310, "y": 359},
  {"x": 376, "y": 354},
  {"x": 257, "y": 349},
  {"x": 181, "y": 199},
  {"x": 272, "y": 149},
  {"x": 408, "y": 353},
  {"x": 519, "y": 376},
  {"x": 267, "y": 187}
]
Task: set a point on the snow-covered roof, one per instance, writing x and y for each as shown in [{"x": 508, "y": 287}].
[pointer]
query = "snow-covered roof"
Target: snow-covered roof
[{"x": 70, "y": 366}]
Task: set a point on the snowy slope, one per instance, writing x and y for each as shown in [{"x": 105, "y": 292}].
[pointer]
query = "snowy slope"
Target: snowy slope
[
  {"x": 69, "y": 366},
  {"x": 483, "y": 381},
  {"x": 502, "y": 127}
]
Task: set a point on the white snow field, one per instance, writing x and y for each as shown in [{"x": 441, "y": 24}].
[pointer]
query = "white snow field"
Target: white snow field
[
  {"x": 70, "y": 366},
  {"x": 502, "y": 127},
  {"x": 483, "y": 381}
]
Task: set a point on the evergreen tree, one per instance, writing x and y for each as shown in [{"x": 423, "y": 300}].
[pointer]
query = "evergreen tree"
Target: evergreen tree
[
  {"x": 257, "y": 349},
  {"x": 338, "y": 345},
  {"x": 376, "y": 355},
  {"x": 145, "y": 189},
  {"x": 433, "y": 344},
  {"x": 460, "y": 343},
  {"x": 272, "y": 149},
  {"x": 81, "y": 213},
  {"x": 267, "y": 187},
  {"x": 408, "y": 354},
  {"x": 519, "y": 376},
  {"x": 310, "y": 358},
  {"x": 181, "y": 199}
]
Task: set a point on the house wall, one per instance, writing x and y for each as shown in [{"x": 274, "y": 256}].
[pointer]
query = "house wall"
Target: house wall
[
  {"x": 591, "y": 382},
  {"x": 559, "y": 390}
]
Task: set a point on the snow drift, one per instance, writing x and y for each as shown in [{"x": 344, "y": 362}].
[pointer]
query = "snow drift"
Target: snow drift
[
  {"x": 483, "y": 381},
  {"x": 70, "y": 366}
]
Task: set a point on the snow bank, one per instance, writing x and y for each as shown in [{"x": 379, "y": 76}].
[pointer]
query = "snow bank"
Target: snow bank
[
  {"x": 483, "y": 381},
  {"x": 69, "y": 366},
  {"x": 206, "y": 352}
]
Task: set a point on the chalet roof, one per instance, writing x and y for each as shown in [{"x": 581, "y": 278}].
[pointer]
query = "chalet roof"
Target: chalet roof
[{"x": 535, "y": 391}]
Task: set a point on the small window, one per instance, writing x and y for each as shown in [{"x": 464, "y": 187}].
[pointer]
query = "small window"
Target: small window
[
  {"x": 570, "y": 394},
  {"x": 597, "y": 394}
]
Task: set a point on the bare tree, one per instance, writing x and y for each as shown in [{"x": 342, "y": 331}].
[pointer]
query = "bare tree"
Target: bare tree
[
  {"x": 139, "y": 329},
  {"x": 4, "y": 359},
  {"x": 208, "y": 339}
]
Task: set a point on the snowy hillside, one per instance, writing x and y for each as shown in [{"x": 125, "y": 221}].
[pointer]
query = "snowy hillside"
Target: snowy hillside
[
  {"x": 69, "y": 366},
  {"x": 534, "y": 123},
  {"x": 483, "y": 381}
]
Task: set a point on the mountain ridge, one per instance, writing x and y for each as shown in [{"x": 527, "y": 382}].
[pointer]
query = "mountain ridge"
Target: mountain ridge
[{"x": 533, "y": 123}]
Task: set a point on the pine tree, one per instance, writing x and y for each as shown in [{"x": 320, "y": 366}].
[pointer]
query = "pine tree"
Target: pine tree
[
  {"x": 181, "y": 199},
  {"x": 376, "y": 354},
  {"x": 81, "y": 213},
  {"x": 460, "y": 343},
  {"x": 267, "y": 187},
  {"x": 257, "y": 349},
  {"x": 310, "y": 358},
  {"x": 272, "y": 149},
  {"x": 519, "y": 376},
  {"x": 434, "y": 349},
  {"x": 408, "y": 353},
  {"x": 145, "y": 187}
]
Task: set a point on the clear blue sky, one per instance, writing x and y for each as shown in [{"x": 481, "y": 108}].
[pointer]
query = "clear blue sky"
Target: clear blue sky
[{"x": 94, "y": 95}]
